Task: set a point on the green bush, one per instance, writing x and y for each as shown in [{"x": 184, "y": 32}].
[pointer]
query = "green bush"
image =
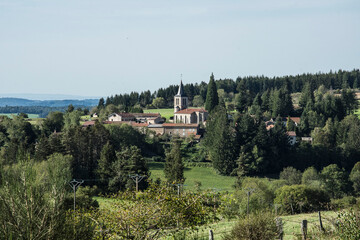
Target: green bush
[
  {"x": 348, "y": 225},
  {"x": 300, "y": 198},
  {"x": 342, "y": 203},
  {"x": 260, "y": 226},
  {"x": 291, "y": 175}
]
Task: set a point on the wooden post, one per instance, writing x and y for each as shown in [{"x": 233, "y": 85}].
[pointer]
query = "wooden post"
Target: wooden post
[
  {"x": 304, "y": 229},
  {"x": 280, "y": 228},
  {"x": 321, "y": 226},
  {"x": 211, "y": 235}
]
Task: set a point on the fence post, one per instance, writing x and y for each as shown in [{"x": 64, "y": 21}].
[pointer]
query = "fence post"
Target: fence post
[
  {"x": 304, "y": 229},
  {"x": 211, "y": 235},
  {"x": 279, "y": 225},
  {"x": 321, "y": 226}
]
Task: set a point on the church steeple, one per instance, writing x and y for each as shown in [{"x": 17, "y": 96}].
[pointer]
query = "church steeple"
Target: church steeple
[
  {"x": 181, "y": 89},
  {"x": 180, "y": 100}
]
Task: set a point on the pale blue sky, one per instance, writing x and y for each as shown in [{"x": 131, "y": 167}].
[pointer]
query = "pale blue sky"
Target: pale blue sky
[{"x": 104, "y": 47}]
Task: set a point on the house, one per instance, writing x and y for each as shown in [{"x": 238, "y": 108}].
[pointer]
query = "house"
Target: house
[
  {"x": 150, "y": 118},
  {"x": 307, "y": 139},
  {"x": 185, "y": 115},
  {"x": 292, "y": 137},
  {"x": 121, "y": 117},
  {"x": 94, "y": 115}
]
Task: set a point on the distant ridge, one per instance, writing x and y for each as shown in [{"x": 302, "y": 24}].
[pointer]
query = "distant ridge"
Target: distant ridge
[
  {"x": 35, "y": 96},
  {"x": 7, "y": 101}
]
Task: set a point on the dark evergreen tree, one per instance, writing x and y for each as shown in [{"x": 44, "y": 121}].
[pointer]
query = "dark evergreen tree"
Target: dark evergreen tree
[
  {"x": 212, "y": 98},
  {"x": 174, "y": 167},
  {"x": 220, "y": 142}
]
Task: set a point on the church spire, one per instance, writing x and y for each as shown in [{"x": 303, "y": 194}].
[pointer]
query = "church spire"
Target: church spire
[{"x": 181, "y": 89}]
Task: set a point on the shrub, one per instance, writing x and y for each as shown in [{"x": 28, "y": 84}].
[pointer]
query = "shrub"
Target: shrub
[
  {"x": 291, "y": 175},
  {"x": 348, "y": 225},
  {"x": 255, "y": 227},
  {"x": 342, "y": 203},
  {"x": 300, "y": 198},
  {"x": 310, "y": 177}
]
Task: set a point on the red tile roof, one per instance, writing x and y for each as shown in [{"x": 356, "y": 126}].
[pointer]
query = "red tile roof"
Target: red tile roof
[
  {"x": 291, "y": 133},
  {"x": 190, "y": 110},
  {"x": 88, "y": 123},
  {"x": 148, "y": 115},
  {"x": 179, "y": 125},
  {"x": 295, "y": 119}
]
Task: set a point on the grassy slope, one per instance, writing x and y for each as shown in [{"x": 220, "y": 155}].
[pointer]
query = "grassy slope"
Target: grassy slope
[
  {"x": 167, "y": 112},
  {"x": 207, "y": 176},
  {"x": 29, "y": 115}
]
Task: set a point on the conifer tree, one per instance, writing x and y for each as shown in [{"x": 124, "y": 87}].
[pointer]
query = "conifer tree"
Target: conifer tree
[
  {"x": 220, "y": 142},
  {"x": 174, "y": 167},
  {"x": 212, "y": 98}
]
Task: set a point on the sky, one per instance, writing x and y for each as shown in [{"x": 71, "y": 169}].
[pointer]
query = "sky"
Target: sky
[{"x": 106, "y": 47}]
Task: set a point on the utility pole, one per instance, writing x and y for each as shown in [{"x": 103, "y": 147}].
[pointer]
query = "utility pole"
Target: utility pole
[
  {"x": 75, "y": 184},
  {"x": 137, "y": 178},
  {"x": 178, "y": 185},
  {"x": 249, "y": 191}
]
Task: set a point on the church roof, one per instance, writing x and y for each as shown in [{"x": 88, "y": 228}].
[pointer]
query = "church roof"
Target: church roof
[
  {"x": 181, "y": 90},
  {"x": 190, "y": 110}
]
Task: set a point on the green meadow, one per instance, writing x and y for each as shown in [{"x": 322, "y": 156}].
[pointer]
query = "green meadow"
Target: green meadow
[
  {"x": 10, "y": 115},
  {"x": 164, "y": 112},
  {"x": 205, "y": 175}
]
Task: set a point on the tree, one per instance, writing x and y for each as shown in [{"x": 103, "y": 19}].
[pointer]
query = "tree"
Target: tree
[
  {"x": 212, "y": 98},
  {"x": 174, "y": 167},
  {"x": 242, "y": 99},
  {"x": 101, "y": 104},
  {"x": 310, "y": 177},
  {"x": 35, "y": 193},
  {"x": 198, "y": 101},
  {"x": 159, "y": 102},
  {"x": 104, "y": 170},
  {"x": 334, "y": 181},
  {"x": 220, "y": 142},
  {"x": 53, "y": 122},
  {"x": 307, "y": 95},
  {"x": 355, "y": 178},
  {"x": 129, "y": 162},
  {"x": 291, "y": 175}
]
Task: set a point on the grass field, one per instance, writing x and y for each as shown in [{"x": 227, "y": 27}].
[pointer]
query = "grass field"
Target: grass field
[
  {"x": 167, "y": 112},
  {"x": 207, "y": 176},
  {"x": 10, "y": 115}
]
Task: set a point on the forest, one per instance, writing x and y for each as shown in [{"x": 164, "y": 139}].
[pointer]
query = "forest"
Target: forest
[{"x": 321, "y": 174}]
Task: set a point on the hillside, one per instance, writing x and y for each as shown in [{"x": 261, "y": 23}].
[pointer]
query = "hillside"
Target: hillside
[{"x": 46, "y": 103}]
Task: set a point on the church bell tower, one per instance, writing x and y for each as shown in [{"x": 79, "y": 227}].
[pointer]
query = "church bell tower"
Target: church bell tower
[{"x": 180, "y": 100}]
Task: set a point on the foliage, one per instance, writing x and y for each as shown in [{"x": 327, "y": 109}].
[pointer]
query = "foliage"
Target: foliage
[
  {"x": 291, "y": 175},
  {"x": 174, "y": 166},
  {"x": 129, "y": 162},
  {"x": 32, "y": 198},
  {"x": 300, "y": 198},
  {"x": 255, "y": 227},
  {"x": 334, "y": 180},
  {"x": 345, "y": 202},
  {"x": 348, "y": 225},
  {"x": 147, "y": 215},
  {"x": 355, "y": 178},
  {"x": 212, "y": 99},
  {"x": 310, "y": 177},
  {"x": 220, "y": 142}
]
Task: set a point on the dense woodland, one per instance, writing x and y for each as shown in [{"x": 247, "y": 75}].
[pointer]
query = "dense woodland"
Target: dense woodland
[{"x": 236, "y": 143}]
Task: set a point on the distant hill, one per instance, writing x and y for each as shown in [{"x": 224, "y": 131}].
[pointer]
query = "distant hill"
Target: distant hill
[{"x": 7, "y": 101}]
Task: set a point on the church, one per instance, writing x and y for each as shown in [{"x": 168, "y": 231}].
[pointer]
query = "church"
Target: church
[{"x": 185, "y": 115}]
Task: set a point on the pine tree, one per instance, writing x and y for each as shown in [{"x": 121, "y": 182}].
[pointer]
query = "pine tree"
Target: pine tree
[
  {"x": 220, "y": 142},
  {"x": 104, "y": 170},
  {"x": 174, "y": 167},
  {"x": 212, "y": 98}
]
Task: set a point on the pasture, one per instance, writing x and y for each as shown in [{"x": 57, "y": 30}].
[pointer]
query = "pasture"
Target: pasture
[
  {"x": 207, "y": 176},
  {"x": 164, "y": 112},
  {"x": 10, "y": 115}
]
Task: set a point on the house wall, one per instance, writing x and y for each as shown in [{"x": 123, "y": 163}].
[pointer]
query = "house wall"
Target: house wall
[{"x": 181, "y": 131}]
